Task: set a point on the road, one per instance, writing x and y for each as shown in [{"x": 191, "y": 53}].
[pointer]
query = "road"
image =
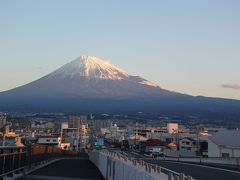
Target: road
[
  {"x": 69, "y": 169},
  {"x": 198, "y": 171}
]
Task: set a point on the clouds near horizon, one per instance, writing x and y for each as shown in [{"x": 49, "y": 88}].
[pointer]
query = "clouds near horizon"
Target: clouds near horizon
[{"x": 233, "y": 86}]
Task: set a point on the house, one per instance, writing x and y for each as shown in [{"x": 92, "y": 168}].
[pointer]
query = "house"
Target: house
[
  {"x": 188, "y": 144},
  {"x": 172, "y": 146},
  {"x": 16, "y": 143},
  {"x": 225, "y": 143},
  {"x": 49, "y": 140},
  {"x": 65, "y": 145},
  {"x": 152, "y": 144}
]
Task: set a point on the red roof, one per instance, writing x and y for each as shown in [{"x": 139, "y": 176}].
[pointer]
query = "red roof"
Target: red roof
[
  {"x": 154, "y": 142},
  {"x": 40, "y": 136},
  {"x": 45, "y": 136}
]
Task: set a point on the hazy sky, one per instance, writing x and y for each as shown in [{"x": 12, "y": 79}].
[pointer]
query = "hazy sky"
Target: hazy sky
[{"x": 188, "y": 46}]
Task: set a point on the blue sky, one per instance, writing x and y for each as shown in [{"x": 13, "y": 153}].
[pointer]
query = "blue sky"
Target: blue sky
[{"x": 188, "y": 46}]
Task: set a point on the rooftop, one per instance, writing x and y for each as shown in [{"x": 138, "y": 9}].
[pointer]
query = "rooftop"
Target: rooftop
[{"x": 226, "y": 138}]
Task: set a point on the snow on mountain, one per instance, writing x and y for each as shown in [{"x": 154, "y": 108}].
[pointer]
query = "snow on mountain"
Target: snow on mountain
[
  {"x": 90, "y": 67},
  {"x": 148, "y": 83},
  {"x": 93, "y": 68}
]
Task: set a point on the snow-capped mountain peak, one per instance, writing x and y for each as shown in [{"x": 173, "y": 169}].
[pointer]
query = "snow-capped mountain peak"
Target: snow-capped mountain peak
[{"x": 90, "y": 67}]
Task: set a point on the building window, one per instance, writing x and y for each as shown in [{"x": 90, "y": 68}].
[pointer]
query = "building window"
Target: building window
[
  {"x": 54, "y": 140},
  {"x": 48, "y": 140},
  {"x": 225, "y": 155},
  {"x": 187, "y": 143}
]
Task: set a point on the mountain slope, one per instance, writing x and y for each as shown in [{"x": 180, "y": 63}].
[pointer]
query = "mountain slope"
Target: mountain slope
[
  {"x": 89, "y": 84},
  {"x": 90, "y": 77}
]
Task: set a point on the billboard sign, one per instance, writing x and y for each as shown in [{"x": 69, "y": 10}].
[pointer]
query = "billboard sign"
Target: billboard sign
[{"x": 100, "y": 141}]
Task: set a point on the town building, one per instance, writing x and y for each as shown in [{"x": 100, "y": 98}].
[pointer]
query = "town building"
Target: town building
[
  {"x": 99, "y": 124},
  {"x": 172, "y": 127},
  {"x": 75, "y": 131},
  {"x": 49, "y": 140},
  {"x": 225, "y": 143},
  {"x": 188, "y": 144},
  {"x": 155, "y": 145}
]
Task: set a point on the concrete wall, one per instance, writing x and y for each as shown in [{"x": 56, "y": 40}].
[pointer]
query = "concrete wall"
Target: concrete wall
[
  {"x": 236, "y": 152},
  {"x": 182, "y": 153},
  {"x": 213, "y": 149},
  {"x": 113, "y": 168},
  {"x": 233, "y": 152}
]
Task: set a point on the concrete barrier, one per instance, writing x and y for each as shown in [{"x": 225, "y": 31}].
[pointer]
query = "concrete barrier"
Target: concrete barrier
[{"x": 115, "y": 167}]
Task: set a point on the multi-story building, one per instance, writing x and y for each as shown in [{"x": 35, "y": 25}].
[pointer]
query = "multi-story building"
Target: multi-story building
[
  {"x": 49, "y": 140},
  {"x": 75, "y": 131},
  {"x": 76, "y": 121},
  {"x": 172, "y": 127},
  {"x": 188, "y": 144},
  {"x": 99, "y": 124},
  {"x": 3, "y": 119}
]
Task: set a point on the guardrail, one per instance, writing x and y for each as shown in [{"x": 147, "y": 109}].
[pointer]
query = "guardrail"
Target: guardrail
[
  {"x": 12, "y": 159},
  {"x": 149, "y": 167},
  {"x": 17, "y": 159},
  {"x": 230, "y": 163}
]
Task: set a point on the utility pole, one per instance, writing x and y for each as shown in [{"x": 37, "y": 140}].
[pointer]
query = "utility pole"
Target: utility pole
[
  {"x": 198, "y": 131},
  {"x": 135, "y": 134},
  {"x": 80, "y": 134},
  {"x": 77, "y": 137},
  {"x": 3, "y": 136},
  {"x": 4, "y": 121}
]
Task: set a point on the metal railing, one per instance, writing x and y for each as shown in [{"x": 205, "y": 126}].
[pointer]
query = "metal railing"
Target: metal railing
[
  {"x": 17, "y": 159},
  {"x": 12, "y": 159}
]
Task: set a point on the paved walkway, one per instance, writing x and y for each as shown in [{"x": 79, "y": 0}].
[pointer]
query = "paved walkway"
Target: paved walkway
[{"x": 69, "y": 169}]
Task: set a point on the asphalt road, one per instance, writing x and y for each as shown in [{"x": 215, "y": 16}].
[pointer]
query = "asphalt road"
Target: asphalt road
[{"x": 70, "y": 169}]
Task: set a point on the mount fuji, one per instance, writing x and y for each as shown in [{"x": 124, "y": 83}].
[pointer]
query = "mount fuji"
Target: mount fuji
[
  {"x": 90, "y": 77},
  {"x": 89, "y": 84}
]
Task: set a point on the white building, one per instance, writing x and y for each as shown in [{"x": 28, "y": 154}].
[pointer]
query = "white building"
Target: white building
[
  {"x": 172, "y": 127},
  {"x": 174, "y": 137},
  {"x": 225, "y": 143},
  {"x": 98, "y": 124},
  {"x": 188, "y": 144},
  {"x": 78, "y": 137},
  {"x": 49, "y": 140}
]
